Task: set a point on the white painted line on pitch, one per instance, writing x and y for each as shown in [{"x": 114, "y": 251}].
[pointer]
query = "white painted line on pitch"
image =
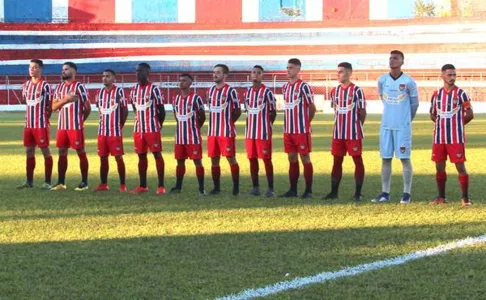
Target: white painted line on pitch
[{"x": 352, "y": 271}]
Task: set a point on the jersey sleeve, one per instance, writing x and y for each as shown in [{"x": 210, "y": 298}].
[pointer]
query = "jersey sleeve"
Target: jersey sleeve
[
  {"x": 198, "y": 103},
  {"x": 235, "y": 103},
  {"x": 157, "y": 96},
  {"x": 131, "y": 96},
  {"x": 412, "y": 89},
  {"x": 433, "y": 104},
  {"x": 307, "y": 93},
  {"x": 360, "y": 98},
  {"x": 48, "y": 92},
  {"x": 121, "y": 96},
  {"x": 381, "y": 83},
  {"x": 332, "y": 97},
  {"x": 98, "y": 96},
  {"x": 82, "y": 93},
  {"x": 464, "y": 100},
  {"x": 272, "y": 102}
]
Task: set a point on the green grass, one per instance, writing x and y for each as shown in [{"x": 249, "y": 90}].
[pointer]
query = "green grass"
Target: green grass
[{"x": 68, "y": 245}]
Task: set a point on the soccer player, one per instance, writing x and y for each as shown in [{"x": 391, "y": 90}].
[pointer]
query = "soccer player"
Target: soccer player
[
  {"x": 224, "y": 111},
  {"x": 112, "y": 107},
  {"x": 190, "y": 117},
  {"x": 450, "y": 110},
  {"x": 38, "y": 97},
  {"x": 71, "y": 99},
  {"x": 261, "y": 113},
  {"x": 399, "y": 95},
  {"x": 299, "y": 112},
  {"x": 349, "y": 105},
  {"x": 148, "y": 105}
]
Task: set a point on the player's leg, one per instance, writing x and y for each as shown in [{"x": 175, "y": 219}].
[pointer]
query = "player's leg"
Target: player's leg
[
  {"x": 355, "y": 150},
  {"x": 228, "y": 149},
  {"x": 457, "y": 154},
  {"x": 264, "y": 152},
  {"x": 338, "y": 151},
  {"x": 214, "y": 152},
  {"x": 180, "y": 172},
  {"x": 29, "y": 144},
  {"x": 304, "y": 152},
  {"x": 103, "y": 152},
  {"x": 62, "y": 165},
  {"x": 439, "y": 157},
  {"x": 48, "y": 163},
  {"x": 120, "y": 164},
  {"x": 251, "y": 153},
  {"x": 200, "y": 175},
  {"x": 141, "y": 150},
  {"x": 404, "y": 139},
  {"x": 154, "y": 142},
  {"x": 386, "y": 153},
  {"x": 76, "y": 140}
]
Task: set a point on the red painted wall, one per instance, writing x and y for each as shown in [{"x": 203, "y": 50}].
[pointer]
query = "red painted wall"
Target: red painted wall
[
  {"x": 346, "y": 9},
  {"x": 91, "y": 11},
  {"x": 222, "y": 11}
]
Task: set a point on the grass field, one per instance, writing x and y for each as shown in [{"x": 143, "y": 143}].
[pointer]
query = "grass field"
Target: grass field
[{"x": 68, "y": 245}]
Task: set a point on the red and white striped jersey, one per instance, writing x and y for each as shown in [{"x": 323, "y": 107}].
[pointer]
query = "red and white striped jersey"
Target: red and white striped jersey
[
  {"x": 186, "y": 109},
  {"x": 297, "y": 99},
  {"x": 71, "y": 115},
  {"x": 222, "y": 102},
  {"x": 110, "y": 104},
  {"x": 449, "y": 107},
  {"x": 347, "y": 101},
  {"x": 146, "y": 98},
  {"x": 259, "y": 102},
  {"x": 38, "y": 97}
]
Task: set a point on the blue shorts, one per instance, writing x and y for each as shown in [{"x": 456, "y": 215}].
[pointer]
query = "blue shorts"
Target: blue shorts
[{"x": 396, "y": 141}]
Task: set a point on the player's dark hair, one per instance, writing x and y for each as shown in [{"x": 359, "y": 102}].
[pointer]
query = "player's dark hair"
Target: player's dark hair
[
  {"x": 295, "y": 61},
  {"x": 39, "y": 62},
  {"x": 110, "y": 71},
  {"x": 346, "y": 65},
  {"x": 188, "y": 76},
  {"x": 398, "y": 52},
  {"x": 71, "y": 65},
  {"x": 448, "y": 67},
  {"x": 224, "y": 67},
  {"x": 258, "y": 67},
  {"x": 144, "y": 65}
]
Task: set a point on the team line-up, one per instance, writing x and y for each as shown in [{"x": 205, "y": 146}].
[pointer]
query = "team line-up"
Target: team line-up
[{"x": 450, "y": 110}]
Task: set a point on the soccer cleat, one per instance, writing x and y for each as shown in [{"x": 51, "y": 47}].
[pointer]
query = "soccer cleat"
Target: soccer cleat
[
  {"x": 214, "y": 192},
  {"x": 102, "y": 187},
  {"x": 139, "y": 190},
  {"x": 160, "y": 190},
  {"x": 289, "y": 194},
  {"x": 306, "y": 195},
  {"x": 383, "y": 197},
  {"x": 123, "y": 188},
  {"x": 46, "y": 186},
  {"x": 405, "y": 198},
  {"x": 202, "y": 193},
  {"x": 255, "y": 191},
  {"x": 270, "y": 193},
  {"x": 25, "y": 185},
  {"x": 59, "y": 187},
  {"x": 81, "y": 187},
  {"x": 438, "y": 201},
  {"x": 330, "y": 196},
  {"x": 466, "y": 202},
  {"x": 175, "y": 190},
  {"x": 357, "y": 197},
  {"x": 236, "y": 189}
]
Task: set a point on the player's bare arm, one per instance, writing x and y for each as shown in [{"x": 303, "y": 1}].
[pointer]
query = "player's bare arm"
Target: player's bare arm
[
  {"x": 414, "y": 104},
  {"x": 273, "y": 115},
  {"x": 124, "y": 115},
  {"x": 59, "y": 103},
  {"x": 312, "y": 111},
  {"x": 87, "y": 110},
  {"x": 468, "y": 115},
  {"x": 236, "y": 114},
  {"x": 161, "y": 113},
  {"x": 201, "y": 118},
  {"x": 362, "y": 115}
]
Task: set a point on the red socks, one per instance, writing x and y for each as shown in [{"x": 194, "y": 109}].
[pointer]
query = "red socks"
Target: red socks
[
  {"x": 235, "y": 173},
  {"x": 104, "y": 167},
  {"x": 269, "y": 171},
  {"x": 441, "y": 178},
  {"x": 62, "y": 165},
  {"x": 308, "y": 175},
  {"x": 464, "y": 182},
  {"x": 121, "y": 169},
  {"x": 142, "y": 169},
  {"x": 200, "y": 177},
  {"x": 48, "y": 168},
  {"x": 294, "y": 173},
  {"x": 359, "y": 173},
  {"x": 254, "y": 171},
  {"x": 160, "y": 164},
  {"x": 216, "y": 174},
  {"x": 30, "y": 166},
  {"x": 83, "y": 165},
  {"x": 180, "y": 172}
]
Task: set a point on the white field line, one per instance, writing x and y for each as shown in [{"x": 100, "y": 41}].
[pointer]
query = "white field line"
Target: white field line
[{"x": 352, "y": 271}]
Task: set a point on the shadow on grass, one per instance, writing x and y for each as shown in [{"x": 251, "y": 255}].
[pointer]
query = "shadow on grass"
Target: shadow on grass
[{"x": 201, "y": 267}]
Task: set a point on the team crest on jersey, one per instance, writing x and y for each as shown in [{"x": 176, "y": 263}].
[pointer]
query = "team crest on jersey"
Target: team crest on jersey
[
  {"x": 459, "y": 154},
  {"x": 403, "y": 149},
  {"x": 355, "y": 148},
  {"x": 156, "y": 145},
  {"x": 42, "y": 140},
  {"x": 76, "y": 142},
  {"x": 302, "y": 147},
  {"x": 401, "y": 87},
  {"x": 351, "y": 97},
  {"x": 195, "y": 152},
  {"x": 228, "y": 148},
  {"x": 455, "y": 100},
  {"x": 118, "y": 148},
  {"x": 265, "y": 151}
]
